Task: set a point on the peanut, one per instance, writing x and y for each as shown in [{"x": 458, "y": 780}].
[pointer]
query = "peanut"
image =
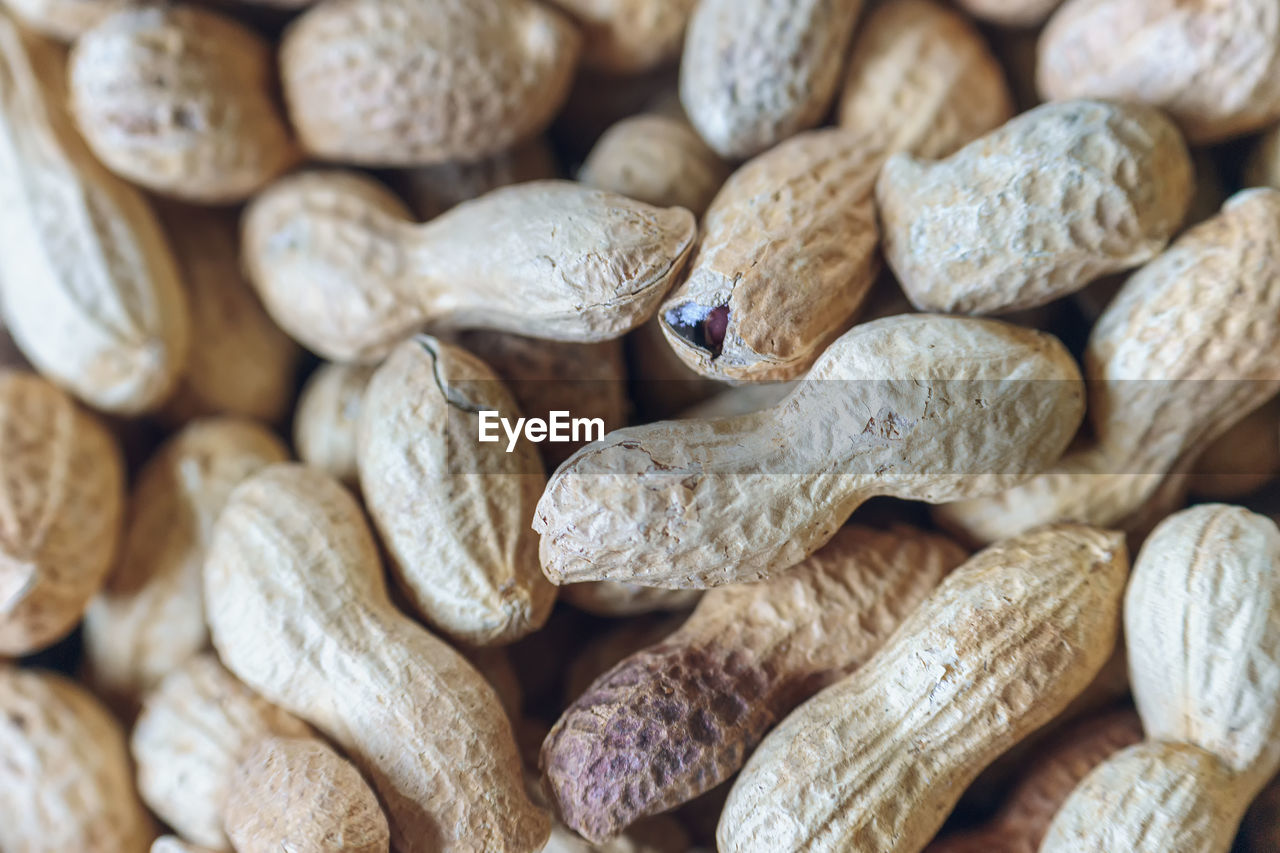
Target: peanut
[
  {"x": 1024, "y": 818},
  {"x": 88, "y": 287},
  {"x": 698, "y": 702},
  {"x": 613, "y": 598},
  {"x": 150, "y": 616},
  {"x": 341, "y": 270},
  {"x": 1224, "y": 82},
  {"x": 978, "y": 403},
  {"x": 755, "y": 72},
  {"x": 178, "y": 99},
  {"x": 327, "y": 419},
  {"x": 998, "y": 649},
  {"x": 65, "y": 782},
  {"x": 1203, "y": 637},
  {"x": 295, "y": 593},
  {"x": 299, "y": 795},
  {"x": 62, "y": 19},
  {"x": 608, "y": 650},
  {"x": 174, "y": 844},
  {"x": 657, "y": 159},
  {"x": 453, "y": 513},
  {"x": 196, "y": 726},
  {"x": 630, "y": 36},
  {"x": 1054, "y": 199},
  {"x": 432, "y": 190},
  {"x": 1151, "y": 410},
  {"x": 416, "y": 82},
  {"x": 62, "y": 479},
  {"x": 239, "y": 363}
]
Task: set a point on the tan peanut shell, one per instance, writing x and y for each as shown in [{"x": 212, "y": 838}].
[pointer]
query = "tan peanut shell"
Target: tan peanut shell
[
  {"x": 327, "y": 419},
  {"x": 65, "y": 781},
  {"x": 1157, "y": 399},
  {"x": 416, "y": 82},
  {"x": 431, "y": 190},
  {"x": 179, "y": 99},
  {"x": 194, "y": 729},
  {"x": 453, "y": 513},
  {"x": 295, "y": 595},
  {"x": 971, "y": 405},
  {"x": 875, "y": 762},
  {"x": 697, "y": 703},
  {"x": 88, "y": 286},
  {"x": 922, "y": 80},
  {"x": 1213, "y": 67},
  {"x": 786, "y": 255},
  {"x": 240, "y": 362},
  {"x": 1010, "y": 13},
  {"x": 658, "y": 159},
  {"x": 1203, "y": 635},
  {"x": 62, "y": 493},
  {"x": 1050, "y": 777},
  {"x": 150, "y": 616},
  {"x": 755, "y": 72},
  {"x": 1057, "y": 197},
  {"x": 297, "y": 794},
  {"x": 629, "y": 36},
  {"x": 63, "y": 20},
  {"x": 340, "y": 267}
]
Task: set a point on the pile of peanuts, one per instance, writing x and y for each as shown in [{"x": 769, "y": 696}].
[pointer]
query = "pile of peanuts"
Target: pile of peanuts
[{"x": 936, "y": 348}]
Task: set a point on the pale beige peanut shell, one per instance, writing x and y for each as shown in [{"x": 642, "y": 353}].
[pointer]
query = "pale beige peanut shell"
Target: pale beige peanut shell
[
  {"x": 194, "y": 728},
  {"x": 65, "y": 781},
  {"x": 295, "y": 593},
  {"x": 452, "y": 512},
  {"x": 297, "y": 794},
  {"x": 1243, "y": 459},
  {"x": 341, "y": 268},
  {"x": 629, "y": 36},
  {"x": 922, "y": 80},
  {"x": 88, "y": 286},
  {"x": 417, "y": 82},
  {"x": 1010, "y": 13},
  {"x": 921, "y": 407},
  {"x": 327, "y": 419},
  {"x": 431, "y": 190},
  {"x": 62, "y": 493},
  {"x": 1057, "y": 197},
  {"x": 149, "y": 617},
  {"x": 1213, "y": 67},
  {"x": 755, "y": 72},
  {"x": 63, "y": 20},
  {"x": 1156, "y": 399},
  {"x": 705, "y": 696},
  {"x": 876, "y": 761},
  {"x": 1051, "y": 774},
  {"x": 240, "y": 362},
  {"x": 179, "y": 99},
  {"x": 786, "y": 255},
  {"x": 658, "y": 159}
]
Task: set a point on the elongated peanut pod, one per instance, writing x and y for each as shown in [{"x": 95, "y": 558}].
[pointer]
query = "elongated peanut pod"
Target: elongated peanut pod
[
  {"x": 297, "y": 794},
  {"x": 453, "y": 513},
  {"x": 874, "y": 762},
  {"x": 915, "y": 406},
  {"x": 1156, "y": 399},
  {"x": 630, "y": 36},
  {"x": 698, "y": 702},
  {"x": 327, "y": 419},
  {"x": 415, "y": 82},
  {"x": 295, "y": 595},
  {"x": 757, "y": 71},
  {"x": 195, "y": 727},
  {"x": 88, "y": 286},
  {"x": 150, "y": 616},
  {"x": 1051, "y": 776},
  {"x": 922, "y": 80},
  {"x": 341, "y": 268},
  {"x": 1225, "y": 83},
  {"x": 1057, "y": 197},
  {"x": 180, "y": 100},
  {"x": 62, "y": 490},
  {"x": 1203, "y": 634},
  {"x": 65, "y": 781}
]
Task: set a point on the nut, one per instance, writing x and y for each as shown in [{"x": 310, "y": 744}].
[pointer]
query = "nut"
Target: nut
[
  {"x": 630, "y": 36},
  {"x": 327, "y": 418}
]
